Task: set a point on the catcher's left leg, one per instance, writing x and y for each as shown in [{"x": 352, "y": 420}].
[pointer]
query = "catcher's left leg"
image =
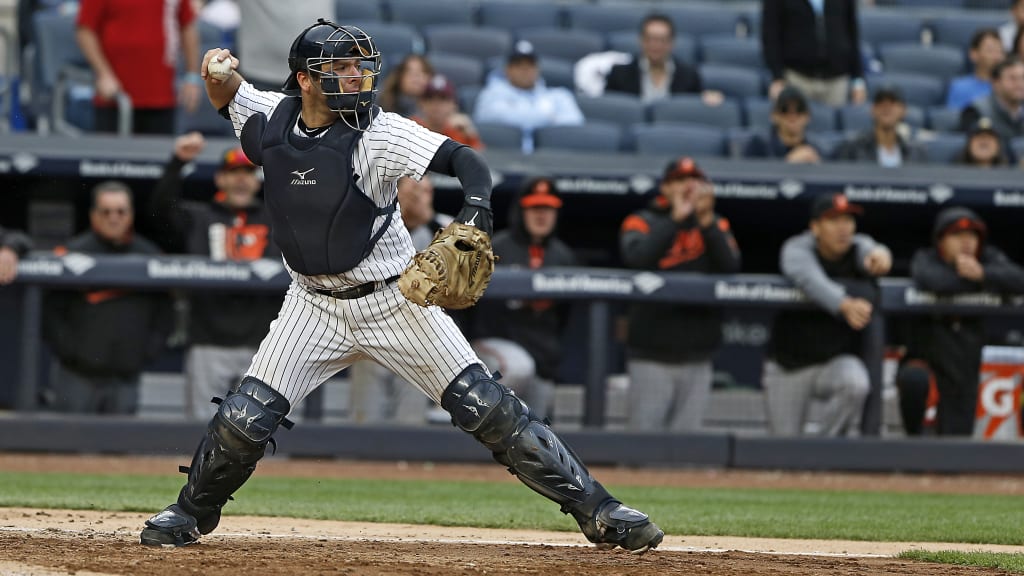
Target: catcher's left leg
[{"x": 538, "y": 457}]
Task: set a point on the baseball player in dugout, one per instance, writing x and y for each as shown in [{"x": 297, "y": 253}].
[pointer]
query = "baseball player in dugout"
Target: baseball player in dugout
[
  {"x": 938, "y": 377},
  {"x": 815, "y": 354},
  {"x": 331, "y": 162},
  {"x": 223, "y": 329},
  {"x": 670, "y": 345}
]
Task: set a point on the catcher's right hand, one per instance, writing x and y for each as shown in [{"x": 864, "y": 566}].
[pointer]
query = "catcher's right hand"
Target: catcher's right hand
[{"x": 453, "y": 271}]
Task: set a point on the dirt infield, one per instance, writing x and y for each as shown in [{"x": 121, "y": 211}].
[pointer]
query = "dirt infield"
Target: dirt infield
[{"x": 50, "y": 542}]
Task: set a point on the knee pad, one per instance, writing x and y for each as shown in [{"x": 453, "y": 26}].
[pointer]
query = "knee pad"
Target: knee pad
[
  {"x": 250, "y": 415},
  {"x": 488, "y": 410}
]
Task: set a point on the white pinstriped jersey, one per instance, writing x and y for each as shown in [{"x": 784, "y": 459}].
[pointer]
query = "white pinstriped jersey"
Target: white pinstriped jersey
[{"x": 391, "y": 148}]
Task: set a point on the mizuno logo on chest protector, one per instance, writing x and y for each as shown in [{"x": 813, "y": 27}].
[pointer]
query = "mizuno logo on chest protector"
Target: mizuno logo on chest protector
[{"x": 302, "y": 180}]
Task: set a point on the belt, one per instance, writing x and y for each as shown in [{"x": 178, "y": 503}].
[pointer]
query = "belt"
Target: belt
[{"x": 355, "y": 291}]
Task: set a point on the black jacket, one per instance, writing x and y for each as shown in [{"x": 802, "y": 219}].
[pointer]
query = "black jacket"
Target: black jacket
[
  {"x": 863, "y": 148},
  {"x": 15, "y": 240},
  {"x": 536, "y": 325},
  {"x": 212, "y": 229},
  {"x": 625, "y": 78},
  {"x": 651, "y": 240},
  {"x": 107, "y": 332},
  {"x": 794, "y": 38},
  {"x": 769, "y": 145}
]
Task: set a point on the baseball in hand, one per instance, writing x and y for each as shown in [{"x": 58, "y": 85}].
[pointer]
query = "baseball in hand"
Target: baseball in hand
[{"x": 219, "y": 69}]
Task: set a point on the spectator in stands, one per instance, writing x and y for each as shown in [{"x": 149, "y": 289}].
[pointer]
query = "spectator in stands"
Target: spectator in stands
[
  {"x": 985, "y": 52},
  {"x": 520, "y": 97},
  {"x": 133, "y": 49},
  {"x": 815, "y": 353},
  {"x": 670, "y": 345},
  {"x": 943, "y": 361},
  {"x": 787, "y": 139},
  {"x": 983, "y": 148},
  {"x": 405, "y": 85},
  {"x": 655, "y": 73},
  {"x": 13, "y": 245},
  {"x": 815, "y": 46},
  {"x": 224, "y": 330},
  {"x": 1004, "y": 105},
  {"x": 265, "y": 63},
  {"x": 103, "y": 338},
  {"x": 439, "y": 111},
  {"x": 885, "y": 143},
  {"x": 1008, "y": 31},
  {"x": 523, "y": 338}
]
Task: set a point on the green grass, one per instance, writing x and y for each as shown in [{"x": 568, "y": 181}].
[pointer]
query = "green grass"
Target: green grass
[
  {"x": 1011, "y": 562},
  {"x": 869, "y": 516}
]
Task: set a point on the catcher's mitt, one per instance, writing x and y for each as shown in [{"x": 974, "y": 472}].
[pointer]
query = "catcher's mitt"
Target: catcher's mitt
[{"x": 453, "y": 271}]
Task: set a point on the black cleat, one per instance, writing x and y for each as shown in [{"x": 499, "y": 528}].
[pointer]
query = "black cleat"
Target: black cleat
[
  {"x": 171, "y": 527},
  {"x": 618, "y": 525}
]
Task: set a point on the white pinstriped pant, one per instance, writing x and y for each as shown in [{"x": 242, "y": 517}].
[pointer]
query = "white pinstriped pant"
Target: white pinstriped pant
[{"x": 316, "y": 336}]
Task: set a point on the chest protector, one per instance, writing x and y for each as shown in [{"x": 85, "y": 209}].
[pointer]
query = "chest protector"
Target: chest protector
[{"x": 320, "y": 219}]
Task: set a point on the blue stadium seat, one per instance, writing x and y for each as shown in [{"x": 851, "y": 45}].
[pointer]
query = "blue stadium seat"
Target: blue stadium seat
[
  {"x": 517, "y": 15},
  {"x": 957, "y": 29},
  {"x": 558, "y": 72},
  {"x": 881, "y": 27},
  {"x": 918, "y": 89},
  {"x": 57, "y": 51},
  {"x": 854, "y": 117},
  {"x": 565, "y": 44},
  {"x": 697, "y": 20},
  {"x": 467, "y": 97},
  {"x": 691, "y": 110},
  {"x": 419, "y": 13},
  {"x": 939, "y": 60},
  {"x": 624, "y": 109},
  {"x": 349, "y": 10},
  {"x": 759, "y": 111},
  {"x": 678, "y": 140},
  {"x": 459, "y": 69},
  {"x": 749, "y": 25},
  {"x": 481, "y": 43},
  {"x": 1018, "y": 146},
  {"x": 205, "y": 120},
  {"x": 394, "y": 40},
  {"x": 745, "y": 52},
  {"x": 942, "y": 119},
  {"x": 500, "y": 136},
  {"x": 683, "y": 47},
  {"x": 603, "y": 18},
  {"x": 589, "y": 137},
  {"x": 827, "y": 142},
  {"x": 733, "y": 81},
  {"x": 943, "y": 147}
]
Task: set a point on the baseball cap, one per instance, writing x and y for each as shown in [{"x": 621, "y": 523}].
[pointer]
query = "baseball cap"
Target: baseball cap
[
  {"x": 541, "y": 193},
  {"x": 982, "y": 124},
  {"x": 889, "y": 92},
  {"x": 439, "y": 87},
  {"x": 958, "y": 219},
  {"x": 235, "y": 158},
  {"x": 681, "y": 168},
  {"x": 831, "y": 205},
  {"x": 791, "y": 97},
  {"x": 522, "y": 50}
]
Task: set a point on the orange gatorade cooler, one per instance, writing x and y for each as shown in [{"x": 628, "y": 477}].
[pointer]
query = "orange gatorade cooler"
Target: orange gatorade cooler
[{"x": 997, "y": 416}]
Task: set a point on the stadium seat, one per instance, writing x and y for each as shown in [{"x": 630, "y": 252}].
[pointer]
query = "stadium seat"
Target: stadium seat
[
  {"x": 460, "y": 70},
  {"x": 827, "y": 142},
  {"x": 501, "y": 136},
  {"x": 749, "y": 25},
  {"x": 691, "y": 110},
  {"x": 481, "y": 43},
  {"x": 565, "y": 44},
  {"x": 854, "y": 118},
  {"x": 939, "y": 60},
  {"x": 943, "y": 147},
  {"x": 516, "y": 15},
  {"x": 918, "y": 89},
  {"x": 733, "y": 81},
  {"x": 624, "y": 109},
  {"x": 349, "y": 10},
  {"x": 557, "y": 72},
  {"x": 467, "y": 97},
  {"x": 942, "y": 119},
  {"x": 744, "y": 52},
  {"x": 58, "y": 56},
  {"x": 603, "y": 18},
  {"x": 394, "y": 40},
  {"x": 419, "y": 14},
  {"x": 678, "y": 140},
  {"x": 683, "y": 47},
  {"x": 589, "y": 137},
  {"x": 1018, "y": 146},
  {"x": 205, "y": 119},
  {"x": 759, "y": 111},
  {"x": 956, "y": 29},
  {"x": 699, "y": 21},
  {"x": 879, "y": 27}
]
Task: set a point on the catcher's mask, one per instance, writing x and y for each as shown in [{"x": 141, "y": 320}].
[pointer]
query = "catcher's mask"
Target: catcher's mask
[{"x": 324, "y": 43}]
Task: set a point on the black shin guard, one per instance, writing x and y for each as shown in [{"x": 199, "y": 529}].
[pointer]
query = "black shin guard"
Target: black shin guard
[{"x": 235, "y": 441}]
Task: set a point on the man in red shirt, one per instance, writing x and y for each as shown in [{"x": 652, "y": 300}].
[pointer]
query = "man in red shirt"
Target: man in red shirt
[{"x": 133, "y": 47}]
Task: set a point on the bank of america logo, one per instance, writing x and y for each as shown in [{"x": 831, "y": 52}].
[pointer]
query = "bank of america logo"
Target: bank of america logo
[{"x": 302, "y": 180}]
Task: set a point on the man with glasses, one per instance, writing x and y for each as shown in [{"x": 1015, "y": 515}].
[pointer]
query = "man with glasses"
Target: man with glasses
[{"x": 104, "y": 337}]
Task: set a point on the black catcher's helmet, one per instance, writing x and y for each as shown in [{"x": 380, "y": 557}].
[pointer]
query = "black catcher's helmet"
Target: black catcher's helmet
[{"x": 325, "y": 42}]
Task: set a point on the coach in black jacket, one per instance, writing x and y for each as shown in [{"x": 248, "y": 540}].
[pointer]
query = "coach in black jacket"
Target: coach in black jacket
[
  {"x": 943, "y": 356},
  {"x": 815, "y": 46}
]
